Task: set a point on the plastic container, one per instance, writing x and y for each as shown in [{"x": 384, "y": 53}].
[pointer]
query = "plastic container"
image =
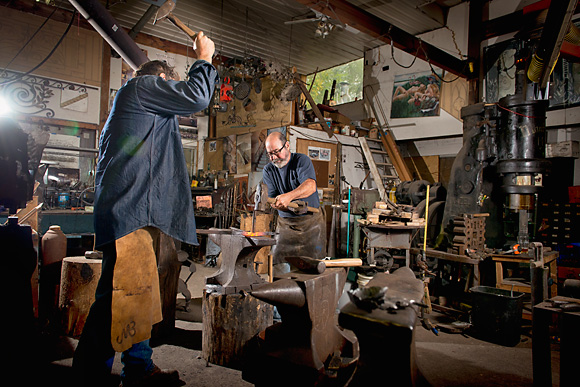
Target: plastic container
[
  {"x": 63, "y": 200},
  {"x": 497, "y": 314}
]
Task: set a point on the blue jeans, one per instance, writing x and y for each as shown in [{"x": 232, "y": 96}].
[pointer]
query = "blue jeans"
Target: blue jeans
[{"x": 137, "y": 360}]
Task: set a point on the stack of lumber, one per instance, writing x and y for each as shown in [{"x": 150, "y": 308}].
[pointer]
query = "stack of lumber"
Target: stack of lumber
[{"x": 383, "y": 215}]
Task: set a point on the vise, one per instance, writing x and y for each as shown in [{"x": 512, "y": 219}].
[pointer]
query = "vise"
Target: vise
[
  {"x": 307, "y": 347},
  {"x": 238, "y": 250},
  {"x": 384, "y": 323}
]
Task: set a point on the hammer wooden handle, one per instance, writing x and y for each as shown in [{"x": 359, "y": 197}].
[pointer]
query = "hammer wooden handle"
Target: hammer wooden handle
[
  {"x": 310, "y": 265},
  {"x": 294, "y": 205},
  {"x": 182, "y": 26},
  {"x": 343, "y": 262}
]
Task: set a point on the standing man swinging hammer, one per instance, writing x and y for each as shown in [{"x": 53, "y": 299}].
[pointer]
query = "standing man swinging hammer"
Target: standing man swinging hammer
[
  {"x": 141, "y": 190},
  {"x": 290, "y": 176}
]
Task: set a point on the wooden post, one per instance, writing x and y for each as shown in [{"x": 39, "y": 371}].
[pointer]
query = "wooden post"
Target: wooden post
[
  {"x": 78, "y": 283},
  {"x": 229, "y": 322}
]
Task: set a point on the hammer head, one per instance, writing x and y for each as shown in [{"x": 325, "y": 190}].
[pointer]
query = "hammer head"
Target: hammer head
[
  {"x": 301, "y": 209},
  {"x": 164, "y": 10}
]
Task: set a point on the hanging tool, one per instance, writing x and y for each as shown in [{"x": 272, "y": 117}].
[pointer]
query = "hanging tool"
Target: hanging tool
[
  {"x": 165, "y": 12},
  {"x": 297, "y": 206},
  {"x": 226, "y": 90}
]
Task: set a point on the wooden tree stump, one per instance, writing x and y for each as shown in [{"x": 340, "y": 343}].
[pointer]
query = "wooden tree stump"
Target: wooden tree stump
[
  {"x": 229, "y": 322},
  {"x": 78, "y": 283}
]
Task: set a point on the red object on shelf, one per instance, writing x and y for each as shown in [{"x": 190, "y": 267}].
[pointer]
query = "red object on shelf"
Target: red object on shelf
[{"x": 574, "y": 194}]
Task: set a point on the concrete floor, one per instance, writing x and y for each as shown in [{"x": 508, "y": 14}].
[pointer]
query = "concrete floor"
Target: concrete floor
[{"x": 444, "y": 360}]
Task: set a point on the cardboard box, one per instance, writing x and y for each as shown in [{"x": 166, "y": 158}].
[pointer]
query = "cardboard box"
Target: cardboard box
[
  {"x": 374, "y": 133},
  {"x": 367, "y": 123},
  {"x": 563, "y": 149}
]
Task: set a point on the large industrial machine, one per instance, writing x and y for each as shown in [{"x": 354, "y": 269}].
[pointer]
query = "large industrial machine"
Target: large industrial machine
[{"x": 500, "y": 168}]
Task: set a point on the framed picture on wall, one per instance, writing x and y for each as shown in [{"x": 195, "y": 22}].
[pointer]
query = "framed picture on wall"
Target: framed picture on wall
[{"x": 416, "y": 95}]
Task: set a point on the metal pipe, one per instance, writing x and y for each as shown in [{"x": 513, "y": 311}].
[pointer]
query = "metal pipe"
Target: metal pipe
[
  {"x": 71, "y": 148},
  {"x": 355, "y": 237},
  {"x": 102, "y": 21},
  {"x": 348, "y": 223}
]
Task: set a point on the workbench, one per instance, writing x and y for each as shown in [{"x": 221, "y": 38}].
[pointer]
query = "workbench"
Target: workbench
[
  {"x": 474, "y": 262},
  {"x": 396, "y": 237},
  {"x": 550, "y": 261},
  {"x": 544, "y": 315}
]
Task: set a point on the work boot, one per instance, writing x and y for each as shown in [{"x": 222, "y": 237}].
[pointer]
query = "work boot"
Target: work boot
[{"x": 155, "y": 378}]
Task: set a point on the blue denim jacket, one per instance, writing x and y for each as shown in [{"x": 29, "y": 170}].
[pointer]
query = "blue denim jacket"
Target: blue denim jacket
[{"x": 141, "y": 178}]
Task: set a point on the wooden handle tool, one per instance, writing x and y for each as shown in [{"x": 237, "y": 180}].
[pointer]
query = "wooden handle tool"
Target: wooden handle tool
[
  {"x": 295, "y": 205},
  {"x": 312, "y": 265}
]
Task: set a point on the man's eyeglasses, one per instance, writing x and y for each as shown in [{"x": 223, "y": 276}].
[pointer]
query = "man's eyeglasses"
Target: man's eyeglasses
[{"x": 275, "y": 152}]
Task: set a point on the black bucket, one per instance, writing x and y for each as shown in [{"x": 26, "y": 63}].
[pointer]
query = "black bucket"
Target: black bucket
[{"x": 497, "y": 314}]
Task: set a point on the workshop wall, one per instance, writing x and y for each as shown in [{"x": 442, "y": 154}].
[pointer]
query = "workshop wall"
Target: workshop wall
[
  {"x": 67, "y": 84},
  {"x": 77, "y": 59},
  {"x": 441, "y": 135},
  {"x": 383, "y": 68}
]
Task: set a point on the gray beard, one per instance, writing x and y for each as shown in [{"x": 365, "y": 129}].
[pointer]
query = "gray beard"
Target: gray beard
[{"x": 280, "y": 165}]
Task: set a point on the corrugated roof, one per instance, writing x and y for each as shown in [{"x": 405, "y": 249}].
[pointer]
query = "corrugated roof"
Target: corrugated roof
[{"x": 243, "y": 28}]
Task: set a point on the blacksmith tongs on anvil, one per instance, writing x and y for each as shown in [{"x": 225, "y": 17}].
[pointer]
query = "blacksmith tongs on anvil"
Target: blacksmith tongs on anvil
[{"x": 297, "y": 206}]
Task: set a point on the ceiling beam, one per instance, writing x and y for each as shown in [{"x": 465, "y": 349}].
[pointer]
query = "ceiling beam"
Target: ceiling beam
[
  {"x": 526, "y": 19},
  {"x": 387, "y": 32},
  {"x": 557, "y": 25}
]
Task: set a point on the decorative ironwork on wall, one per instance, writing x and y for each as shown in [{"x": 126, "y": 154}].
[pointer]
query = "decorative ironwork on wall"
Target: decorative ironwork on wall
[{"x": 31, "y": 94}]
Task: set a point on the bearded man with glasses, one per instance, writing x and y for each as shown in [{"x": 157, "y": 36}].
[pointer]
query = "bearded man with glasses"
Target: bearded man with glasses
[{"x": 290, "y": 176}]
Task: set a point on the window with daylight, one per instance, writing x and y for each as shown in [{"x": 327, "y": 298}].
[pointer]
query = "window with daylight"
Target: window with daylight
[{"x": 349, "y": 83}]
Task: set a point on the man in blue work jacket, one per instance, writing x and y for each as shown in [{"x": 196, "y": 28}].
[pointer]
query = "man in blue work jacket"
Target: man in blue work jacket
[{"x": 141, "y": 191}]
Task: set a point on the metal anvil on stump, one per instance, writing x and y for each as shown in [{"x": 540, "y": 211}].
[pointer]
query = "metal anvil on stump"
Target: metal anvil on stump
[
  {"x": 231, "y": 317},
  {"x": 238, "y": 250},
  {"x": 307, "y": 347}
]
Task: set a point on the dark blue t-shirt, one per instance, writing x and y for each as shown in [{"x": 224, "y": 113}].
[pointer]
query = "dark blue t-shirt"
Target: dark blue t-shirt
[{"x": 288, "y": 178}]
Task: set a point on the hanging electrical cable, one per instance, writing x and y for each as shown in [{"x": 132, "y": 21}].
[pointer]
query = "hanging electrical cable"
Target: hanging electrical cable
[
  {"x": 28, "y": 41},
  {"x": 20, "y": 76}
]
